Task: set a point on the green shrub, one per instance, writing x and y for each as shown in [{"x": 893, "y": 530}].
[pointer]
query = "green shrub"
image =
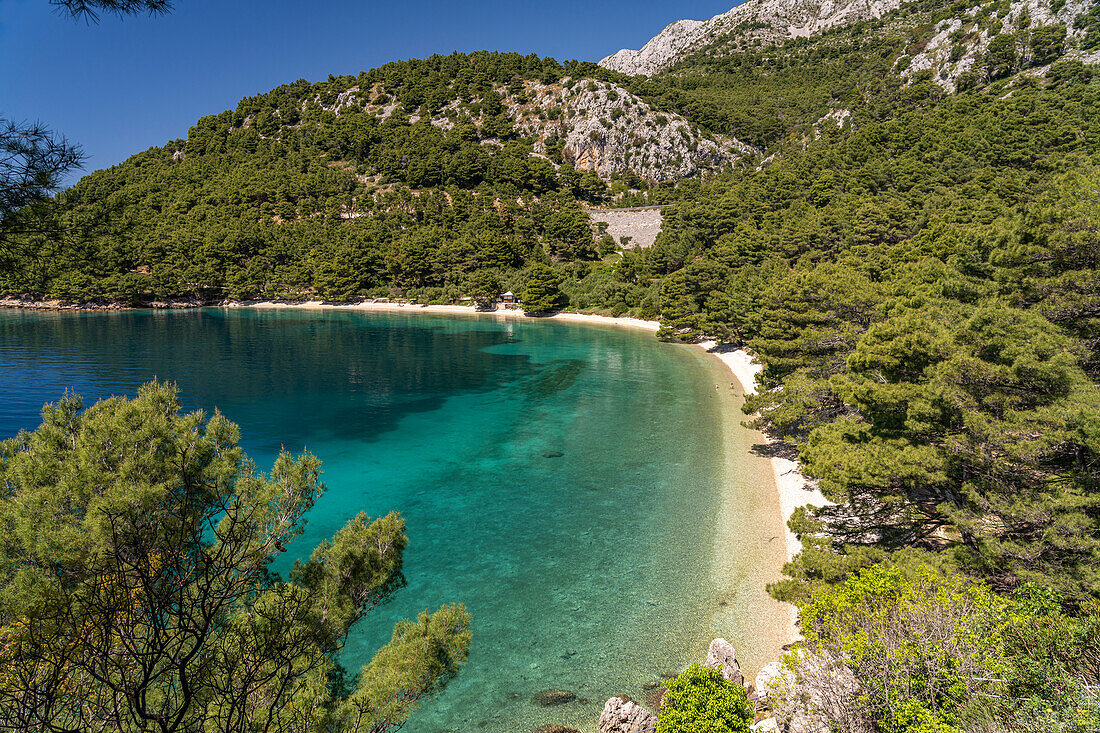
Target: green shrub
[{"x": 700, "y": 700}]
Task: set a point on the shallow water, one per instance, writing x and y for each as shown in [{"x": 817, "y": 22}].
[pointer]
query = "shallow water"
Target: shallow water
[{"x": 569, "y": 484}]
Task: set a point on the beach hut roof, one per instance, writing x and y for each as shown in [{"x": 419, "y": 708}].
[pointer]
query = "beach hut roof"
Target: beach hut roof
[{"x": 509, "y": 293}]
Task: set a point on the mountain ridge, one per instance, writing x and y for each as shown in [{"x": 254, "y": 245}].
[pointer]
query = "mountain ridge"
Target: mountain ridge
[{"x": 761, "y": 21}]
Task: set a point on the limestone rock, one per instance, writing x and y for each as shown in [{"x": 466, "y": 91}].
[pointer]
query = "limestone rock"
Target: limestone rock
[
  {"x": 753, "y": 23},
  {"x": 623, "y": 715},
  {"x": 546, "y": 698},
  {"x": 949, "y": 58},
  {"x": 765, "y": 679},
  {"x": 767, "y": 725},
  {"x": 603, "y": 128},
  {"x": 757, "y": 23},
  {"x": 721, "y": 656}
]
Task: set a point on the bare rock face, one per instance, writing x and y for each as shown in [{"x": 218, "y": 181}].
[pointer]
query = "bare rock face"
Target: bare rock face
[
  {"x": 632, "y": 228},
  {"x": 753, "y": 23},
  {"x": 605, "y": 129},
  {"x": 623, "y": 715},
  {"x": 721, "y": 656}
]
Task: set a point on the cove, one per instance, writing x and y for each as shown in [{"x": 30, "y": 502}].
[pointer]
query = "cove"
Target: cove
[{"x": 585, "y": 491}]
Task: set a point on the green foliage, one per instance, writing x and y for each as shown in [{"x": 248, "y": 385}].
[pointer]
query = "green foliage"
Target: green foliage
[
  {"x": 419, "y": 661},
  {"x": 543, "y": 293},
  {"x": 1047, "y": 43},
  {"x": 135, "y": 583},
  {"x": 1002, "y": 55},
  {"x": 921, "y": 294},
  {"x": 882, "y": 623},
  {"x": 484, "y": 286},
  {"x": 700, "y": 700},
  {"x": 1089, "y": 21},
  {"x": 935, "y": 652},
  {"x": 322, "y": 190}
]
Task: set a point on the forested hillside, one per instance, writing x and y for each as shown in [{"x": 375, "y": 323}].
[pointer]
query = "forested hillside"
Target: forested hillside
[{"x": 401, "y": 181}]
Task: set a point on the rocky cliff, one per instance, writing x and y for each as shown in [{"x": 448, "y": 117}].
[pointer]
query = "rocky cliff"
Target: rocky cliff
[
  {"x": 601, "y": 127},
  {"x": 754, "y": 22}
]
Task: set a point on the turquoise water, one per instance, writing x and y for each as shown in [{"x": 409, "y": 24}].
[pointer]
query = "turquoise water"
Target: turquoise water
[{"x": 559, "y": 480}]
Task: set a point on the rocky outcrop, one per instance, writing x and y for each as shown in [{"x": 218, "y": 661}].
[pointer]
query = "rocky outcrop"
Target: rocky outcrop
[
  {"x": 753, "y": 23},
  {"x": 956, "y": 48},
  {"x": 623, "y": 715},
  {"x": 601, "y": 127},
  {"x": 722, "y": 657},
  {"x": 959, "y": 45}
]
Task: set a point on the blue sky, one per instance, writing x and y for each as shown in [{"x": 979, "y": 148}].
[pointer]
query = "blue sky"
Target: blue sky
[{"x": 125, "y": 85}]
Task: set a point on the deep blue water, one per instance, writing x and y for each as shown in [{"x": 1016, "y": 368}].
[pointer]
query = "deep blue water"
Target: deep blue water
[{"x": 585, "y": 571}]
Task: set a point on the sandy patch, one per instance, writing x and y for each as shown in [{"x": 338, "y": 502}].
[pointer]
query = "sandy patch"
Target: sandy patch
[
  {"x": 465, "y": 310},
  {"x": 795, "y": 490}
]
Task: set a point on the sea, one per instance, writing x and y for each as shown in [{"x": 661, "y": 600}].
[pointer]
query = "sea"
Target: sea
[{"x": 588, "y": 492}]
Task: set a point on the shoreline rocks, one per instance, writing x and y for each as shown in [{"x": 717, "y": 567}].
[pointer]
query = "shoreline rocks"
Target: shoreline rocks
[
  {"x": 623, "y": 715},
  {"x": 722, "y": 657}
]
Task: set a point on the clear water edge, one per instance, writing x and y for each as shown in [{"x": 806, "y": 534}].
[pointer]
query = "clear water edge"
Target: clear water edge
[{"x": 581, "y": 598}]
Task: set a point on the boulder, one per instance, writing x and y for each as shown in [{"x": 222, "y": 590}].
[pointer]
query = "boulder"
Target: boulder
[
  {"x": 766, "y": 678},
  {"x": 721, "y": 656},
  {"x": 623, "y": 715},
  {"x": 767, "y": 725},
  {"x": 546, "y": 698}
]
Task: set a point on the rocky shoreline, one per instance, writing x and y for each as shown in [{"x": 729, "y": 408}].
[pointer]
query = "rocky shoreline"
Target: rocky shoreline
[{"x": 621, "y": 714}]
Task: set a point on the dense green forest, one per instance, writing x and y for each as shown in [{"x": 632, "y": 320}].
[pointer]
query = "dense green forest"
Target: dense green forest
[{"x": 918, "y": 278}]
